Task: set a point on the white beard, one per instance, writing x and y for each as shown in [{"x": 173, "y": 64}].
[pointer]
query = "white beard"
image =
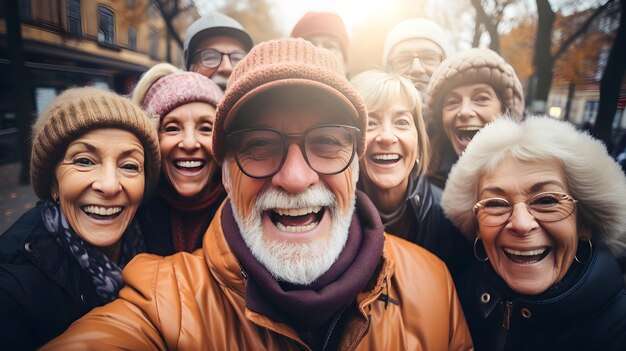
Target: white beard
[{"x": 296, "y": 263}]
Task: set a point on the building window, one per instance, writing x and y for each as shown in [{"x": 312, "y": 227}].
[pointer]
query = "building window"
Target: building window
[
  {"x": 153, "y": 9},
  {"x": 73, "y": 17},
  {"x": 106, "y": 25},
  {"x": 132, "y": 38},
  {"x": 154, "y": 44}
]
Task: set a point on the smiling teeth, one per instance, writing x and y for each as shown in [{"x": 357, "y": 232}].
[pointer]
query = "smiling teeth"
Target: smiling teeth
[
  {"x": 297, "y": 211},
  {"x": 386, "y": 157},
  {"x": 526, "y": 253},
  {"x": 296, "y": 229},
  {"x": 469, "y": 128},
  {"x": 189, "y": 164},
  {"x": 102, "y": 211}
]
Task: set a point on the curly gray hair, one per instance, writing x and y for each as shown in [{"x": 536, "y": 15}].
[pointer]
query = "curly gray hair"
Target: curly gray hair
[{"x": 594, "y": 179}]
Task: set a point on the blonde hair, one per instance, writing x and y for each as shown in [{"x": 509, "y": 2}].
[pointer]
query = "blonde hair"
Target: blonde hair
[
  {"x": 155, "y": 73},
  {"x": 594, "y": 179},
  {"x": 378, "y": 88}
]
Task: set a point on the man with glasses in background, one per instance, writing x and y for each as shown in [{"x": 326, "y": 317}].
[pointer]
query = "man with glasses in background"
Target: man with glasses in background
[
  {"x": 296, "y": 258},
  {"x": 414, "y": 48},
  {"x": 214, "y": 44}
]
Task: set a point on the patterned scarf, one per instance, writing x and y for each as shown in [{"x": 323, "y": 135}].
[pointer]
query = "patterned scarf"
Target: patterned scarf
[{"x": 105, "y": 274}]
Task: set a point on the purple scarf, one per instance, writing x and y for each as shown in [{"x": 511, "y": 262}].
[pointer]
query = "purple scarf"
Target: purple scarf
[{"x": 309, "y": 307}]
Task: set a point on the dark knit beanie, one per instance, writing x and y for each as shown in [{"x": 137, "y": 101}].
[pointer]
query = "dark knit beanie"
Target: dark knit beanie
[
  {"x": 322, "y": 23},
  {"x": 471, "y": 67},
  {"x": 280, "y": 63},
  {"x": 80, "y": 110}
]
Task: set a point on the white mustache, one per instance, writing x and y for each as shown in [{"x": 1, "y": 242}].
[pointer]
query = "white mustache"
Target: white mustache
[{"x": 316, "y": 195}]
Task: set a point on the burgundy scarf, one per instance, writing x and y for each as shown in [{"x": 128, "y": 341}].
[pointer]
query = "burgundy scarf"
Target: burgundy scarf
[
  {"x": 309, "y": 307},
  {"x": 190, "y": 217}
]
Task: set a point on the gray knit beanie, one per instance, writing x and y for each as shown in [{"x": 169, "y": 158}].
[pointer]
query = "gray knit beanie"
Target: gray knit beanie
[{"x": 471, "y": 67}]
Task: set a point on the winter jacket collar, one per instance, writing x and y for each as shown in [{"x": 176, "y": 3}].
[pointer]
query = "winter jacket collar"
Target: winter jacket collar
[
  {"x": 229, "y": 273},
  {"x": 600, "y": 278},
  {"x": 323, "y": 298}
]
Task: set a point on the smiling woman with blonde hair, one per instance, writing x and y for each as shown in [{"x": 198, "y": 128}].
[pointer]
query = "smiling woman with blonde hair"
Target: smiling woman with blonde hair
[
  {"x": 545, "y": 206},
  {"x": 395, "y": 162}
]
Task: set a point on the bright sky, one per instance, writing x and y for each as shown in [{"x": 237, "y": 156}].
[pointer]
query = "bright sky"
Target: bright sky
[{"x": 288, "y": 12}]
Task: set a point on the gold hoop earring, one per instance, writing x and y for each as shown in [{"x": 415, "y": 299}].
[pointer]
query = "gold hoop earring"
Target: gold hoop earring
[
  {"x": 480, "y": 259},
  {"x": 584, "y": 238}
]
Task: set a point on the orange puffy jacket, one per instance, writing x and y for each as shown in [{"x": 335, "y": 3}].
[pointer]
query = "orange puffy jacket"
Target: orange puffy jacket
[{"x": 196, "y": 302}]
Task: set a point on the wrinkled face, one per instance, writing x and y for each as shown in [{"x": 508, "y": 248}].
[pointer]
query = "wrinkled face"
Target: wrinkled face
[
  {"x": 465, "y": 110},
  {"x": 296, "y": 221},
  {"x": 415, "y": 59},
  {"x": 391, "y": 146},
  {"x": 185, "y": 142},
  {"x": 329, "y": 42},
  {"x": 225, "y": 44},
  {"x": 100, "y": 182},
  {"x": 529, "y": 255}
]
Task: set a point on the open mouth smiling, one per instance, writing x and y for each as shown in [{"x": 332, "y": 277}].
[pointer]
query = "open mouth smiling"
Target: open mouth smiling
[
  {"x": 102, "y": 212},
  {"x": 526, "y": 256},
  {"x": 296, "y": 220},
  {"x": 466, "y": 134},
  {"x": 385, "y": 159},
  {"x": 189, "y": 165}
]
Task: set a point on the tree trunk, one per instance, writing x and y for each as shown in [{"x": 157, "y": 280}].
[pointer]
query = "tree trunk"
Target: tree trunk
[
  {"x": 543, "y": 61},
  {"x": 490, "y": 26},
  {"x": 611, "y": 82},
  {"x": 478, "y": 32},
  {"x": 21, "y": 89},
  {"x": 571, "y": 88}
]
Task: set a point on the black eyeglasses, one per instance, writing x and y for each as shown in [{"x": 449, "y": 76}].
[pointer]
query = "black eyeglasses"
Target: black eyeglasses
[
  {"x": 212, "y": 58},
  {"x": 261, "y": 152},
  {"x": 545, "y": 207}
]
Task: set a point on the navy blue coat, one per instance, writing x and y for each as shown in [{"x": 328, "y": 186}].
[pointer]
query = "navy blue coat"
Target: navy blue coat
[{"x": 586, "y": 311}]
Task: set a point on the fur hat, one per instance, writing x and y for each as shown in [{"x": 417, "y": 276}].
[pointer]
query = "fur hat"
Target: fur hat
[
  {"x": 476, "y": 66},
  {"x": 322, "y": 23},
  {"x": 414, "y": 28},
  {"x": 80, "y": 110},
  {"x": 176, "y": 89},
  {"x": 279, "y": 63}
]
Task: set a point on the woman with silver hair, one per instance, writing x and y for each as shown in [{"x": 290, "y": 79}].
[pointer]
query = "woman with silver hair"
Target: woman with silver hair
[{"x": 545, "y": 206}]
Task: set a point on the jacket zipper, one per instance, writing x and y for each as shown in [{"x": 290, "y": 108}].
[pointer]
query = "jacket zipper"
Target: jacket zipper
[
  {"x": 332, "y": 328},
  {"x": 506, "y": 324}
]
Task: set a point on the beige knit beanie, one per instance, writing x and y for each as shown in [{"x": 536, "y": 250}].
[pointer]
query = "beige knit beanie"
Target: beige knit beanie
[
  {"x": 279, "y": 63},
  {"x": 77, "y": 111},
  {"x": 414, "y": 28},
  {"x": 476, "y": 66}
]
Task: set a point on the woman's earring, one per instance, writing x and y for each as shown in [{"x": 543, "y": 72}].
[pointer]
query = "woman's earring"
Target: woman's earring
[
  {"x": 481, "y": 259},
  {"x": 583, "y": 239}
]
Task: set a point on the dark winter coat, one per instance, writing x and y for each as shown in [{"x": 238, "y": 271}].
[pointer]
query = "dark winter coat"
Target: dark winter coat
[
  {"x": 42, "y": 287},
  {"x": 585, "y": 311},
  {"x": 433, "y": 230},
  {"x": 154, "y": 223}
]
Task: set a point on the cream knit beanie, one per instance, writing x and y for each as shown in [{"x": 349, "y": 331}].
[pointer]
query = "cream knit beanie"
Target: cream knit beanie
[{"x": 414, "y": 28}]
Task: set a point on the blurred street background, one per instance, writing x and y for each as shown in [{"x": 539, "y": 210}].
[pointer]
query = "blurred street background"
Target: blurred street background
[{"x": 569, "y": 54}]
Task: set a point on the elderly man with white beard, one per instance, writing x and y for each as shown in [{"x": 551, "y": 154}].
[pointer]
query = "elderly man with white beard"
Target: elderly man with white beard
[{"x": 296, "y": 257}]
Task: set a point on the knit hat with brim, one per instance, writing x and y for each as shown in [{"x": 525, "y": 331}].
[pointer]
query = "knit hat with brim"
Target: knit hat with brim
[
  {"x": 177, "y": 89},
  {"x": 80, "y": 110},
  {"x": 322, "y": 23},
  {"x": 285, "y": 62},
  {"x": 472, "y": 67}
]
